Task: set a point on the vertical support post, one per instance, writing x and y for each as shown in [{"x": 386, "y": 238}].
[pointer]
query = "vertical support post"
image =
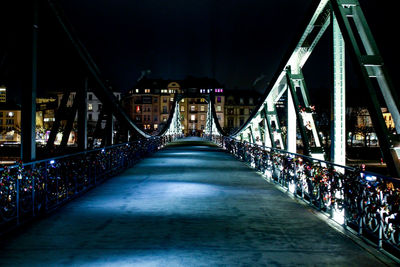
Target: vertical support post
[
  {"x": 28, "y": 109},
  {"x": 291, "y": 124},
  {"x": 82, "y": 118},
  {"x": 109, "y": 130},
  {"x": 339, "y": 94}
]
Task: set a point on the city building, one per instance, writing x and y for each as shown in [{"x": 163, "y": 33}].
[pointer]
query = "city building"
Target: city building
[
  {"x": 150, "y": 102},
  {"x": 3, "y": 94},
  {"x": 10, "y": 122},
  {"x": 238, "y": 107}
]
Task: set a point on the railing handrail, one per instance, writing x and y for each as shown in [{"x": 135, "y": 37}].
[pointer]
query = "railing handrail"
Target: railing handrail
[
  {"x": 320, "y": 160},
  {"x": 75, "y": 154}
]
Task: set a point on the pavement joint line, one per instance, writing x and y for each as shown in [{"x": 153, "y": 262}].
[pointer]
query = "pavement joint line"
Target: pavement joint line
[{"x": 381, "y": 255}]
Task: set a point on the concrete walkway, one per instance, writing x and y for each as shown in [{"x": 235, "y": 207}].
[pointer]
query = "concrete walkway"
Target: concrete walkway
[{"x": 190, "y": 205}]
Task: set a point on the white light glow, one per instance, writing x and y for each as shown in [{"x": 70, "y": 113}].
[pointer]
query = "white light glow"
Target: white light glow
[
  {"x": 292, "y": 187},
  {"x": 338, "y": 216}
]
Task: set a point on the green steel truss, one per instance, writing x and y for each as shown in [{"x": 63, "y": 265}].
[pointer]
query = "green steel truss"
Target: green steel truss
[{"x": 351, "y": 31}]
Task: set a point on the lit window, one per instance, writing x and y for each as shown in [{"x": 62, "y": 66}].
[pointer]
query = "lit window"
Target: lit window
[
  {"x": 10, "y": 114},
  {"x": 137, "y": 91},
  {"x": 155, "y": 126},
  {"x": 182, "y": 108},
  {"x": 202, "y": 108},
  {"x": 183, "y": 100},
  {"x": 171, "y": 99},
  {"x": 219, "y": 108},
  {"x": 90, "y": 106},
  {"x": 192, "y": 108},
  {"x": 192, "y": 117},
  {"x": 147, "y": 91},
  {"x": 137, "y": 109},
  {"x": 202, "y": 117}
]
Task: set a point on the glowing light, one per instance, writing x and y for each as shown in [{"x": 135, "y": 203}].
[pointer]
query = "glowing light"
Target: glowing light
[
  {"x": 292, "y": 187},
  {"x": 268, "y": 173},
  {"x": 338, "y": 216},
  {"x": 52, "y": 161},
  {"x": 370, "y": 178}
]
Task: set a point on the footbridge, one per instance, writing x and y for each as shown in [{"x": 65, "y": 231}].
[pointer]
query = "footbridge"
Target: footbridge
[{"x": 267, "y": 194}]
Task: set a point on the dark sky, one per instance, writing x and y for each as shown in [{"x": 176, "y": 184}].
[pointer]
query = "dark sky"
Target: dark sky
[
  {"x": 236, "y": 41},
  {"x": 239, "y": 39}
]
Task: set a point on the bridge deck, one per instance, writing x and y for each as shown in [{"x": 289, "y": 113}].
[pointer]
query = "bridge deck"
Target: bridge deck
[{"x": 190, "y": 205}]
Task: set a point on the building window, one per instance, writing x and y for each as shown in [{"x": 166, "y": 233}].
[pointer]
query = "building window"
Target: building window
[
  {"x": 9, "y": 121},
  {"x": 164, "y": 91},
  {"x": 241, "y": 111},
  {"x": 192, "y": 108},
  {"x": 218, "y": 99},
  {"x": 147, "y": 91},
  {"x": 241, "y": 101},
  {"x": 138, "y": 110},
  {"x": 155, "y": 126},
  {"x": 10, "y": 114},
  {"x": 155, "y": 100},
  {"x": 164, "y": 118},
  {"x": 202, "y": 100},
  {"x": 164, "y": 109},
  {"x": 137, "y": 91},
  {"x": 183, "y": 100},
  {"x": 165, "y": 100},
  {"x": 219, "y": 108},
  {"x": 99, "y": 107},
  {"x": 90, "y": 117},
  {"x": 251, "y": 101},
  {"x": 202, "y": 108},
  {"x": 182, "y": 108},
  {"x": 90, "y": 107},
  {"x": 202, "y": 127},
  {"x": 171, "y": 99},
  {"x": 202, "y": 117},
  {"x": 90, "y": 97},
  {"x": 192, "y": 117},
  {"x": 155, "y": 118}
]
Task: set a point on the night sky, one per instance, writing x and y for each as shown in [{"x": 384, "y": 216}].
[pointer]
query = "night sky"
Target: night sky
[{"x": 235, "y": 41}]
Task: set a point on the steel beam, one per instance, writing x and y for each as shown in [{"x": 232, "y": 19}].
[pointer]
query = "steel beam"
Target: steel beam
[
  {"x": 82, "y": 118},
  {"x": 338, "y": 146},
  {"x": 370, "y": 67},
  {"x": 28, "y": 109}
]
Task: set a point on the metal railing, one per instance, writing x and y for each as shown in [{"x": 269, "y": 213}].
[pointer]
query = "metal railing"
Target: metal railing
[
  {"x": 368, "y": 203},
  {"x": 31, "y": 189}
]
